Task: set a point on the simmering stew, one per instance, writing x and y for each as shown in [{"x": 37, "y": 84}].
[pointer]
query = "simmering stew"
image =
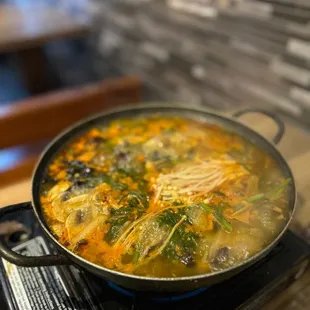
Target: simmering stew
[{"x": 164, "y": 197}]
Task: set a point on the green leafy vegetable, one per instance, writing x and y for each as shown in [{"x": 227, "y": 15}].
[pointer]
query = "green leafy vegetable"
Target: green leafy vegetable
[
  {"x": 129, "y": 173},
  {"x": 168, "y": 217},
  {"x": 113, "y": 233},
  {"x": 121, "y": 211},
  {"x": 104, "y": 178},
  {"x": 183, "y": 243},
  {"x": 137, "y": 202},
  {"x": 117, "y": 220},
  {"x": 177, "y": 203},
  {"x": 135, "y": 176},
  {"x": 138, "y": 197},
  {"x": 171, "y": 218}
]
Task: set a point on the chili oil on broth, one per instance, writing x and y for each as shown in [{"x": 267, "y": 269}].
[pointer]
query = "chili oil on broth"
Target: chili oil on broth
[{"x": 164, "y": 197}]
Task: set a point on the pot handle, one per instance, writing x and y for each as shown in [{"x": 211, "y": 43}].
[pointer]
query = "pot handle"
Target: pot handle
[
  {"x": 27, "y": 261},
  {"x": 280, "y": 124}
]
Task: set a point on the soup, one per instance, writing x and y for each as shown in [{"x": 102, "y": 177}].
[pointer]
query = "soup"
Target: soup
[{"x": 164, "y": 197}]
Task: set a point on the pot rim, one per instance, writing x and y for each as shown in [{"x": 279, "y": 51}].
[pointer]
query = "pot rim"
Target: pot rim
[{"x": 172, "y": 106}]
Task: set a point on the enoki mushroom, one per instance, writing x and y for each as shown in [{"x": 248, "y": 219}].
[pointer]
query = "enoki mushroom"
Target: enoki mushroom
[{"x": 198, "y": 179}]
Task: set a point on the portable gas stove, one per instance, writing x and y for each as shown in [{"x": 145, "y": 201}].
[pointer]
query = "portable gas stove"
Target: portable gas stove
[{"x": 69, "y": 288}]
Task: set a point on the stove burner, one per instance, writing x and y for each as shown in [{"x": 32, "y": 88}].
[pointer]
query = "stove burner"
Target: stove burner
[{"x": 158, "y": 297}]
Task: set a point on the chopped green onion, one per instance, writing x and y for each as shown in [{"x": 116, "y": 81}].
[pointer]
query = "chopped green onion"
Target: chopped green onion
[
  {"x": 223, "y": 222},
  {"x": 274, "y": 194},
  {"x": 239, "y": 207},
  {"x": 136, "y": 255},
  {"x": 255, "y": 197},
  {"x": 220, "y": 219},
  {"x": 240, "y": 210}
]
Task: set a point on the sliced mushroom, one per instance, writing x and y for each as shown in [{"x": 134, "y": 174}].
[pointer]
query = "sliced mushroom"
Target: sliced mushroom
[
  {"x": 101, "y": 199},
  {"x": 62, "y": 208},
  {"x": 77, "y": 221},
  {"x": 231, "y": 249},
  {"x": 58, "y": 189},
  {"x": 88, "y": 227},
  {"x": 57, "y": 229}
]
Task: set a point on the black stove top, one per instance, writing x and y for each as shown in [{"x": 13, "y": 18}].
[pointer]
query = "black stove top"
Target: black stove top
[{"x": 69, "y": 288}]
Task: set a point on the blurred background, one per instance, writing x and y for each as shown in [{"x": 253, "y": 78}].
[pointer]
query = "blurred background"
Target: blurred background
[
  {"x": 61, "y": 60},
  {"x": 218, "y": 53}
]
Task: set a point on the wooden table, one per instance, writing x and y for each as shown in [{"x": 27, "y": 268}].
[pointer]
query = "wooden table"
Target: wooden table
[
  {"x": 298, "y": 155},
  {"x": 24, "y": 31}
]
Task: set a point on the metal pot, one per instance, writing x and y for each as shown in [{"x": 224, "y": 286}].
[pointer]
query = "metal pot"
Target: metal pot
[{"x": 66, "y": 257}]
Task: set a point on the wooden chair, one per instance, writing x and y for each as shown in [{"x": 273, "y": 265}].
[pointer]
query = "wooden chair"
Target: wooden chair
[{"x": 28, "y": 125}]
